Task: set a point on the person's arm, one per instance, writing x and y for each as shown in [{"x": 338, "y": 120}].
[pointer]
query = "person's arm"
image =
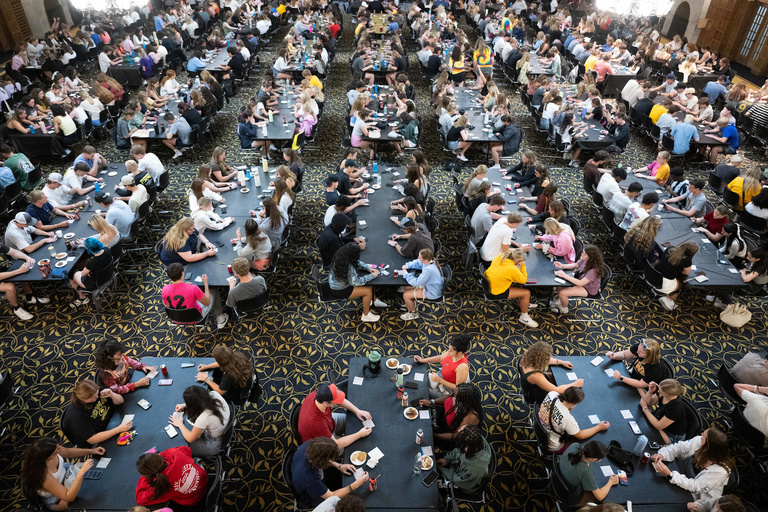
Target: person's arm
[
  {"x": 428, "y": 360},
  {"x": 347, "y": 469},
  {"x": 540, "y": 381},
  {"x": 589, "y": 432},
  {"x": 602, "y": 492},
  {"x": 177, "y": 420},
  {"x": 189, "y": 257},
  {"x": 58, "y": 490}
]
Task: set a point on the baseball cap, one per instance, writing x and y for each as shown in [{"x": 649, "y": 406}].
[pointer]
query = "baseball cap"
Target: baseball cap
[
  {"x": 330, "y": 393},
  {"x": 690, "y": 90},
  {"x": 127, "y": 181},
  {"x": 671, "y": 76},
  {"x": 680, "y": 85},
  {"x": 407, "y": 222},
  {"x": 101, "y": 197},
  {"x": 55, "y": 177},
  {"x": 23, "y": 218}
]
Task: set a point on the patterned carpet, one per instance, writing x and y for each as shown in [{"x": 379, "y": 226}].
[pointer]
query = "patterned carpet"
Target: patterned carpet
[{"x": 297, "y": 339}]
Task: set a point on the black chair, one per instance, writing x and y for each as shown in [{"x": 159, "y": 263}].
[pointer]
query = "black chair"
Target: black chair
[
  {"x": 752, "y": 438},
  {"x": 653, "y": 279},
  {"x": 670, "y": 370},
  {"x": 215, "y": 479},
  {"x": 566, "y": 500},
  {"x": 245, "y": 307},
  {"x": 105, "y": 279},
  {"x": 578, "y": 248},
  {"x": 477, "y": 498},
  {"x": 731, "y": 198},
  {"x": 540, "y": 434},
  {"x": 226, "y": 439},
  {"x": 726, "y": 381},
  {"x": 668, "y": 144},
  {"x": 6, "y": 393},
  {"x": 753, "y": 224},
  {"x": 185, "y": 316},
  {"x": 597, "y": 200},
  {"x": 295, "y": 423},
  {"x": 13, "y": 193},
  {"x": 693, "y": 420},
  {"x": 288, "y": 480},
  {"x": 447, "y": 277},
  {"x": 332, "y": 378},
  {"x": 323, "y": 288},
  {"x": 715, "y": 183},
  {"x": 35, "y": 177}
]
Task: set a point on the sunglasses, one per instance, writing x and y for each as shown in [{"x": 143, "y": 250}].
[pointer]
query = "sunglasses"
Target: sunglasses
[{"x": 645, "y": 346}]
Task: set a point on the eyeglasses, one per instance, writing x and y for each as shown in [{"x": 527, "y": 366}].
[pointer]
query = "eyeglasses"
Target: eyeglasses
[{"x": 645, "y": 345}]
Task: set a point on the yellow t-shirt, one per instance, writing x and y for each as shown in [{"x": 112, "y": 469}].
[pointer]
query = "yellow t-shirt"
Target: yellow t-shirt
[
  {"x": 314, "y": 81},
  {"x": 662, "y": 174},
  {"x": 589, "y": 64},
  {"x": 360, "y": 26},
  {"x": 736, "y": 186},
  {"x": 281, "y": 9},
  {"x": 656, "y": 112},
  {"x": 502, "y": 275}
]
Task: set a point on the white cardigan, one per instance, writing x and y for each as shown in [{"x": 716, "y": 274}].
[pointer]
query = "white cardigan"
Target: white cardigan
[{"x": 708, "y": 484}]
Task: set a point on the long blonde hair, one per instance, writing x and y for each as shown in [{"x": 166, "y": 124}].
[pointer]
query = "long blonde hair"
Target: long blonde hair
[
  {"x": 177, "y": 236},
  {"x": 480, "y": 171},
  {"x": 752, "y": 181},
  {"x": 537, "y": 356},
  {"x": 515, "y": 255},
  {"x": 643, "y": 234},
  {"x": 101, "y": 225}
]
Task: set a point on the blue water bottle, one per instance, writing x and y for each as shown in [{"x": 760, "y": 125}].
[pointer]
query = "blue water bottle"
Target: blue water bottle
[
  {"x": 97, "y": 186},
  {"x": 375, "y": 169},
  {"x": 31, "y": 129},
  {"x": 248, "y": 173},
  {"x": 375, "y": 88}
]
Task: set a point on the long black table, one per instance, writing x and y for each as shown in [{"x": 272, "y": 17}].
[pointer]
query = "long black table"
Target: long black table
[
  {"x": 128, "y": 75},
  {"x": 606, "y": 398},
  {"x": 700, "y": 80},
  {"x": 39, "y": 145},
  {"x": 111, "y": 176},
  {"x": 116, "y": 489},
  {"x": 394, "y": 435}
]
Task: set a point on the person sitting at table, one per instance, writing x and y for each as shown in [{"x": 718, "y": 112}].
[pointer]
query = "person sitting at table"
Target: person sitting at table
[
  {"x": 46, "y": 478},
  {"x": 417, "y": 238},
  {"x": 712, "y": 223},
  {"x": 58, "y": 194},
  {"x": 428, "y": 285},
  {"x": 658, "y": 169},
  {"x": 283, "y": 195},
  {"x": 695, "y": 200},
  {"x": 507, "y": 269},
  {"x": 638, "y": 211},
  {"x": 746, "y": 187},
  {"x": 726, "y": 134},
  {"x": 210, "y": 415},
  {"x": 609, "y": 184},
  {"x": 523, "y": 173},
  {"x": 468, "y": 464},
  {"x": 181, "y": 241},
  {"x": 119, "y": 214},
  {"x": 586, "y": 281},
  {"x": 667, "y": 120},
  {"x": 707, "y": 453},
  {"x": 115, "y": 368},
  {"x": 644, "y": 363},
  {"x": 257, "y": 248},
  {"x": 64, "y": 126},
  {"x": 574, "y": 468},
  {"x": 543, "y": 199},
  {"x": 272, "y": 221},
  {"x": 206, "y": 218},
  {"x": 735, "y": 247},
  {"x": 84, "y": 422},
  {"x": 620, "y": 202},
  {"x": 132, "y": 192},
  {"x": 178, "y": 134},
  {"x": 592, "y": 170},
  {"x": 9, "y": 289},
  {"x": 106, "y": 60},
  {"x": 562, "y": 240},
  {"x": 454, "y": 366},
  {"x": 171, "y": 476},
  {"x": 168, "y": 85},
  {"x": 308, "y": 469},
  {"x": 457, "y": 138},
  {"x": 43, "y": 212},
  {"x": 19, "y": 122},
  {"x": 669, "y": 418},
  {"x": 91, "y": 276},
  {"x": 475, "y": 179},
  {"x": 641, "y": 243},
  {"x": 345, "y": 283},
  {"x": 233, "y": 373},
  {"x": 317, "y": 419},
  {"x": 755, "y": 272},
  {"x": 510, "y": 137},
  {"x": 674, "y": 265},
  {"x": 556, "y": 418},
  {"x": 618, "y": 132}
]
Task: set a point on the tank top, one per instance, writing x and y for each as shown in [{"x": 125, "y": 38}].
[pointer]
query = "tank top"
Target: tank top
[
  {"x": 537, "y": 394},
  {"x": 59, "y": 475},
  {"x": 449, "y": 368},
  {"x": 67, "y": 125}
]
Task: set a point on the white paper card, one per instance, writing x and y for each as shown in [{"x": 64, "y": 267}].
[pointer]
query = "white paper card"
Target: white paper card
[
  {"x": 594, "y": 419},
  {"x": 426, "y": 450},
  {"x": 571, "y": 376},
  {"x": 626, "y": 414},
  {"x": 128, "y": 417},
  {"x": 424, "y": 414},
  {"x": 198, "y": 279},
  {"x": 733, "y": 271},
  {"x": 368, "y": 423},
  {"x": 152, "y": 374},
  {"x": 375, "y": 454},
  {"x": 701, "y": 279},
  {"x": 103, "y": 462},
  {"x": 693, "y": 229},
  {"x": 609, "y": 373},
  {"x": 357, "y": 381},
  {"x": 70, "y": 259},
  {"x": 706, "y": 240},
  {"x": 607, "y": 470},
  {"x": 596, "y": 361},
  {"x": 693, "y": 267},
  {"x": 418, "y": 377}
]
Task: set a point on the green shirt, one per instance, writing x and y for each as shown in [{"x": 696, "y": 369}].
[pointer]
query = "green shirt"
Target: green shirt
[
  {"x": 21, "y": 167},
  {"x": 579, "y": 478},
  {"x": 411, "y": 132}
]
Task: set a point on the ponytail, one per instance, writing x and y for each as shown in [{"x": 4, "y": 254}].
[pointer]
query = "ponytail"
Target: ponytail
[
  {"x": 592, "y": 450},
  {"x": 151, "y": 466}
]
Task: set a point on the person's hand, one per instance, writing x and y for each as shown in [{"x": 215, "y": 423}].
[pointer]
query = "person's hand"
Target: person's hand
[
  {"x": 662, "y": 469},
  {"x": 375, "y": 272},
  {"x": 180, "y": 407},
  {"x": 537, "y": 246},
  {"x": 559, "y": 273},
  {"x": 347, "y": 469},
  {"x": 142, "y": 382},
  {"x": 613, "y": 480},
  {"x": 537, "y": 237},
  {"x": 149, "y": 369},
  {"x": 99, "y": 450},
  {"x": 125, "y": 426},
  {"x": 201, "y": 367},
  {"x": 653, "y": 387},
  {"x": 363, "y": 478},
  {"x": 701, "y": 230},
  {"x": 87, "y": 464},
  {"x": 395, "y": 220},
  {"x": 693, "y": 506},
  {"x": 365, "y": 431},
  {"x": 558, "y": 264},
  {"x": 424, "y": 402},
  {"x": 201, "y": 376},
  {"x": 209, "y": 245},
  {"x": 434, "y": 377},
  {"x": 105, "y": 393},
  {"x": 210, "y": 252},
  {"x": 616, "y": 375},
  {"x": 392, "y": 243},
  {"x": 604, "y": 425},
  {"x": 417, "y": 359},
  {"x": 578, "y": 382},
  {"x": 366, "y": 185},
  {"x": 25, "y": 267},
  {"x": 176, "y": 420},
  {"x": 441, "y": 463},
  {"x": 522, "y": 206},
  {"x": 238, "y": 234},
  {"x": 610, "y": 354}
]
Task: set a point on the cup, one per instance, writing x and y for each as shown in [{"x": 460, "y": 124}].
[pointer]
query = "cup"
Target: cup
[
  {"x": 223, "y": 208},
  {"x": 98, "y": 212},
  {"x": 432, "y": 383},
  {"x": 59, "y": 233}
]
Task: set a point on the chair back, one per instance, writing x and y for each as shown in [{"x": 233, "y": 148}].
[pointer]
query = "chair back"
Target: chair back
[
  {"x": 693, "y": 420},
  {"x": 6, "y": 389},
  {"x": 143, "y": 211},
  {"x": 753, "y": 438},
  {"x": 608, "y": 217},
  {"x": 525, "y": 386},
  {"x": 560, "y": 487},
  {"x": 731, "y": 198},
  {"x": 35, "y": 176},
  {"x": 164, "y": 181},
  {"x": 607, "y": 274},
  {"x": 726, "y": 381},
  {"x": 226, "y": 439},
  {"x": 184, "y": 316},
  {"x": 13, "y": 192},
  {"x": 252, "y": 304},
  {"x": 597, "y": 199},
  {"x": 295, "y": 423},
  {"x": 753, "y": 222},
  {"x": 669, "y": 370},
  {"x": 214, "y": 487},
  {"x": 652, "y": 276},
  {"x": 539, "y": 431},
  {"x": 578, "y": 248}
]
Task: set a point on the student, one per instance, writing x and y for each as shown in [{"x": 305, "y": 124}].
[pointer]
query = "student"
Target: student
[
  {"x": 506, "y": 270},
  {"x": 257, "y": 247},
  {"x": 725, "y": 133},
  {"x": 454, "y": 366},
  {"x": 309, "y": 464},
  {"x": 620, "y": 203},
  {"x": 707, "y": 453},
  {"x": 669, "y": 418},
  {"x": 609, "y": 184},
  {"x": 47, "y": 478},
  {"x": 658, "y": 169},
  {"x": 644, "y": 362},
  {"x": 317, "y": 419},
  {"x": 586, "y": 280},
  {"x": 92, "y": 276},
  {"x": 457, "y": 138},
  {"x": 592, "y": 170},
  {"x": 210, "y": 415},
  {"x": 735, "y": 247},
  {"x": 695, "y": 200},
  {"x": 500, "y": 237},
  {"x": 243, "y": 285},
  {"x": 467, "y": 465},
  {"x": 18, "y": 234},
  {"x": 85, "y": 420},
  {"x": 428, "y": 285},
  {"x": 171, "y": 475},
  {"x": 574, "y": 467},
  {"x": 510, "y": 136},
  {"x": 534, "y": 365},
  {"x": 712, "y": 223},
  {"x": 180, "y": 244},
  {"x": 640, "y": 242},
  {"x": 115, "y": 368},
  {"x": 417, "y": 237},
  {"x": 556, "y": 418},
  {"x": 746, "y": 187},
  {"x": 561, "y": 240},
  {"x": 232, "y": 375},
  {"x": 345, "y": 282},
  {"x": 755, "y": 271},
  {"x": 674, "y": 265}
]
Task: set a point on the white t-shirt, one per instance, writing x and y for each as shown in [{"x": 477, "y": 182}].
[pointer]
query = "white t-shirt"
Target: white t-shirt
[
  {"x": 72, "y": 180},
  {"x": 756, "y": 411},
  {"x": 210, "y": 422},
  {"x": 138, "y": 197},
  {"x": 152, "y": 165},
  {"x": 635, "y": 213},
  {"x": 59, "y": 196},
  {"x": 18, "y": 238},
  {"x": 500, "y": 234},
  {"x": 607, "y": 187},
  {"x": 549, "y": 110},
  {"x": 103, "y": 62},
  {"x": 329, "y": 213},
  {"x": 563, "y": 421}
]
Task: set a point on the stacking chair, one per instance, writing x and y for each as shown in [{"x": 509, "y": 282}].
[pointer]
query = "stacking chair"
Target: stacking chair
[
  {"x": 478, "y": 498},
  {"x": 564, "y": 499},
  {"x": 295, "y": 423},
  {"x": 725, "y": 381},
  {"x": 752, "y": 438}
]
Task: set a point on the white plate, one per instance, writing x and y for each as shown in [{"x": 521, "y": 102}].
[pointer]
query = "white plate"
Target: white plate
[
  {"x": 245, "y": 190},
  {"x": 60, "y": 256},
  {"x": 60, "y": 264},
  {"x": 355, "y": 461},
  {"x": 43, "y": 262},
  {"x": 406, "y": 368},
  {"x": 392, "y": 366},
  {"x": 427, "y": 463},
  {"x": 67, "y": 236},
  {"x": 376, "y": 187},
  {"x": 112, "y": 173},
  {"x": 407, "y": 409}
]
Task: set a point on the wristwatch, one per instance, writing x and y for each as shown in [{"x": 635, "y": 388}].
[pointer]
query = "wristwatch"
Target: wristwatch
[
  {"x": 621, "y": 378},
  {"x": 669, "y": 477}
]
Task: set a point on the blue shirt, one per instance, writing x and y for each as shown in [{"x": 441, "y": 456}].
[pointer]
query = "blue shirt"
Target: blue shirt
[
  {"x": 86, "y": 161},
  {"x": 43, "y": 214},
  {"x": 392, "y": 27},
  {"x": 568, "y": 40},
  {"x": 168, "y": 257},
  {"x": 195, "y": 64},
  {"x": 732, "y": 136},
  {"x": 683, "y": 133},
  {"x": 430, "y": 278},
  {"x": 121, "y": 216},
  {"x": 96, "y": 39},
  {"x": 307, "y": 480},
  {"x": 158, "y": 23},
  {"x": 714, "y": 90},
  {"x": 6, "y": 178}
]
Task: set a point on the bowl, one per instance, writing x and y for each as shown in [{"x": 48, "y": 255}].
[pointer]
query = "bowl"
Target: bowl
[{"x": 392, "y": 363}]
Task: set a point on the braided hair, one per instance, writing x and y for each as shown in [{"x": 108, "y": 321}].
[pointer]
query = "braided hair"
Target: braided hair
[
  {"x": 469, "y": 440},
  {"x": 467, "y": 399},
  {"x": 152, "y": 465}
]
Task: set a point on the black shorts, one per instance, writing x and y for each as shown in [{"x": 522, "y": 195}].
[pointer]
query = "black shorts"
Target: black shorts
[
  {"x": 341, "y": 294},
  {"x": 459, "y": 77},
  {"x": 502, "y": 295},
  {"x": 728, "y": 150}
]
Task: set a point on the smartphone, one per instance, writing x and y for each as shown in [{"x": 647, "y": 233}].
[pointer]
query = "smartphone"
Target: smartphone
[
  {"x": 411, "y": 385},
  {"x": 635, "y": 428},
  {"x": 622, "y": 478},
  {"x": 653, "y": 445},
  {"x": 531, "y": 281},
  {"x": 188, "y": 276},
  {"x": 171, "y": 431},
  {"x": 93, "y": 474},
  {"x": 430, "y": 478}
]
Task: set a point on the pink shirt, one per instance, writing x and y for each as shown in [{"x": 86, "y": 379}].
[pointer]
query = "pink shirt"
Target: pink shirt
[
  {"x": 603, "y": 67},
  {"x": 16, "y": 62},
  {"x": 562, "y": 245},
  {"x": 182, "y": 295},
  {"x": 654, "y": 168}
]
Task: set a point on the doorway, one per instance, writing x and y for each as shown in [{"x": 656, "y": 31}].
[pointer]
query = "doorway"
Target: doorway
[{"x": 680, "y": 20}]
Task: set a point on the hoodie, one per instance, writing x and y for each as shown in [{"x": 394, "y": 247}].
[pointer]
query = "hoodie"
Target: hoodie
[
  {"x": 189, "y": 482},
  {"x": 330, "y": 239},
  {"x": 468, "y": 474}
]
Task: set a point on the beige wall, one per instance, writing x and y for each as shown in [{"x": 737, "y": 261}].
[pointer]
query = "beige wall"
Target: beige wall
[
  {"x": 37, "y": 17},
  {"x": 698, "y": 10}
]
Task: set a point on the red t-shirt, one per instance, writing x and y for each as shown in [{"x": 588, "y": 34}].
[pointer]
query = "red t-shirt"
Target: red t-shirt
[
  {"x": 189, "y": 482},
  {"x": 715, "y": 225},
  {"x": 312, "y": 421},
  {"x": 334, "y": 29},
  {"x": 182, "y": 295}
]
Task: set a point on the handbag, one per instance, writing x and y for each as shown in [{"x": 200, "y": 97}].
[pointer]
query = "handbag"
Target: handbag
[
  {"x": 622, "y": 458},
  {"x": 735, "y": 315}
]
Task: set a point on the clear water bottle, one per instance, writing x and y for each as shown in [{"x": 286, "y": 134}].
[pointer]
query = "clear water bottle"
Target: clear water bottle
[
  {"x": 642, "y": 441},
  {"x": 417, "y": 464},
  {"x": 419, "y": 436}
]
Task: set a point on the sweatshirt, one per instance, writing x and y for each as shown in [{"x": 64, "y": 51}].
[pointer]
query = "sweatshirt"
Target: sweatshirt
[
  {"x": 501, "y": 275},
  {"x": 708, "y": 484},
  {"x": 468, "y": 474},
  {"x": 189, "y": 482},
  {"x": 430, "y": 279}
]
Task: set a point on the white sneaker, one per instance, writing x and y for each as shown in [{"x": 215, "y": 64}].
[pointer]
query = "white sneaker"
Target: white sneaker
[
  {"x": 410, "y": 315},
  {"x": 221, "y": 320},
  {"x": 79, "y": 302},
  {"x": 379, "y": 303},
  {"x": 370, "y": 317},
  {"x": 177, "y": 154},
  {"x": 667, "y": 303},
  {"x": 553, "y": 303},
  {"x": 272, "y": 147},
  {"x": 710, "y": 298},
  {"x": 37, "y": 300},
  {"x": 23, "y": 313},
  {"x": 532, "y": 305},
  {"x": 462, "y": 157},
  {"x": 719, "y": 305},
  {"x": 495, "y": 167},
  {"x": 526, "y": 319}
]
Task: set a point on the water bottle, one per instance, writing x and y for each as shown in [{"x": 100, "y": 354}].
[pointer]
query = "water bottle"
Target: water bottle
[
  {"x": 31, "y": 129},
  {"x": 642, "y": 441},
  {"x": 248, "y": 174},
  {"x": 375, "y": 170},
  {"x": 419, "y": 436},
  {"x": 417, "y": 464},
  {"x": 375, "y": 88},
  {"x": 264, "y": 165},
  {"x": 97, "y": 186},
  {"x": 270, "y": 116}
]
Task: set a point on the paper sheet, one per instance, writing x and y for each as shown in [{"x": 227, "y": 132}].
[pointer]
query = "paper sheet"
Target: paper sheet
[
  {"x": 152, "y": 374},
  {"x": 357, "y": 381},
  {"x": 418, "y": 377},
  {"x": 607, "y": 470},
  {"x": 609, "y": 372},
  {"x": 626, "y": 414},
  {"x": 733, "y": 271},
  {"x": 375, "y": 454},
  {"x": 368, "y": 423},
  {"x": 424, "y": 414},
  {"x": 594, "y": 419},
  {"x": 128, "y": 417},
  {"x": 426, "y": 450},
  {"x": 596, "y": 361},
  {"x": 571, "y": 376},
  {"x": 103, "y": 462}
]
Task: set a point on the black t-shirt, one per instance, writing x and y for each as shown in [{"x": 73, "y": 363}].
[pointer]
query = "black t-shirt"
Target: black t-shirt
[
  {"x": 433, "y": 65},
  {"x": 454, "y": 133},
  {"x": 647, "y": 372},
  {"x": 4, "y": 249},
  {"x": 234, "y": 392},
  {"x": 236, "y": 63},
  {"x": 399, "y": 63},
  {"x": 670, "y": 271},
  {"x": 644, "y": 106},
  {"x": 95, "y": 265},
  {"x": 727, "y": 173},
  {"x": 344, "y": 184},
  {"x": 80, "y": 424},
  {"x": 675, "y": 411},
  {"x": 192, "y": 116}
]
